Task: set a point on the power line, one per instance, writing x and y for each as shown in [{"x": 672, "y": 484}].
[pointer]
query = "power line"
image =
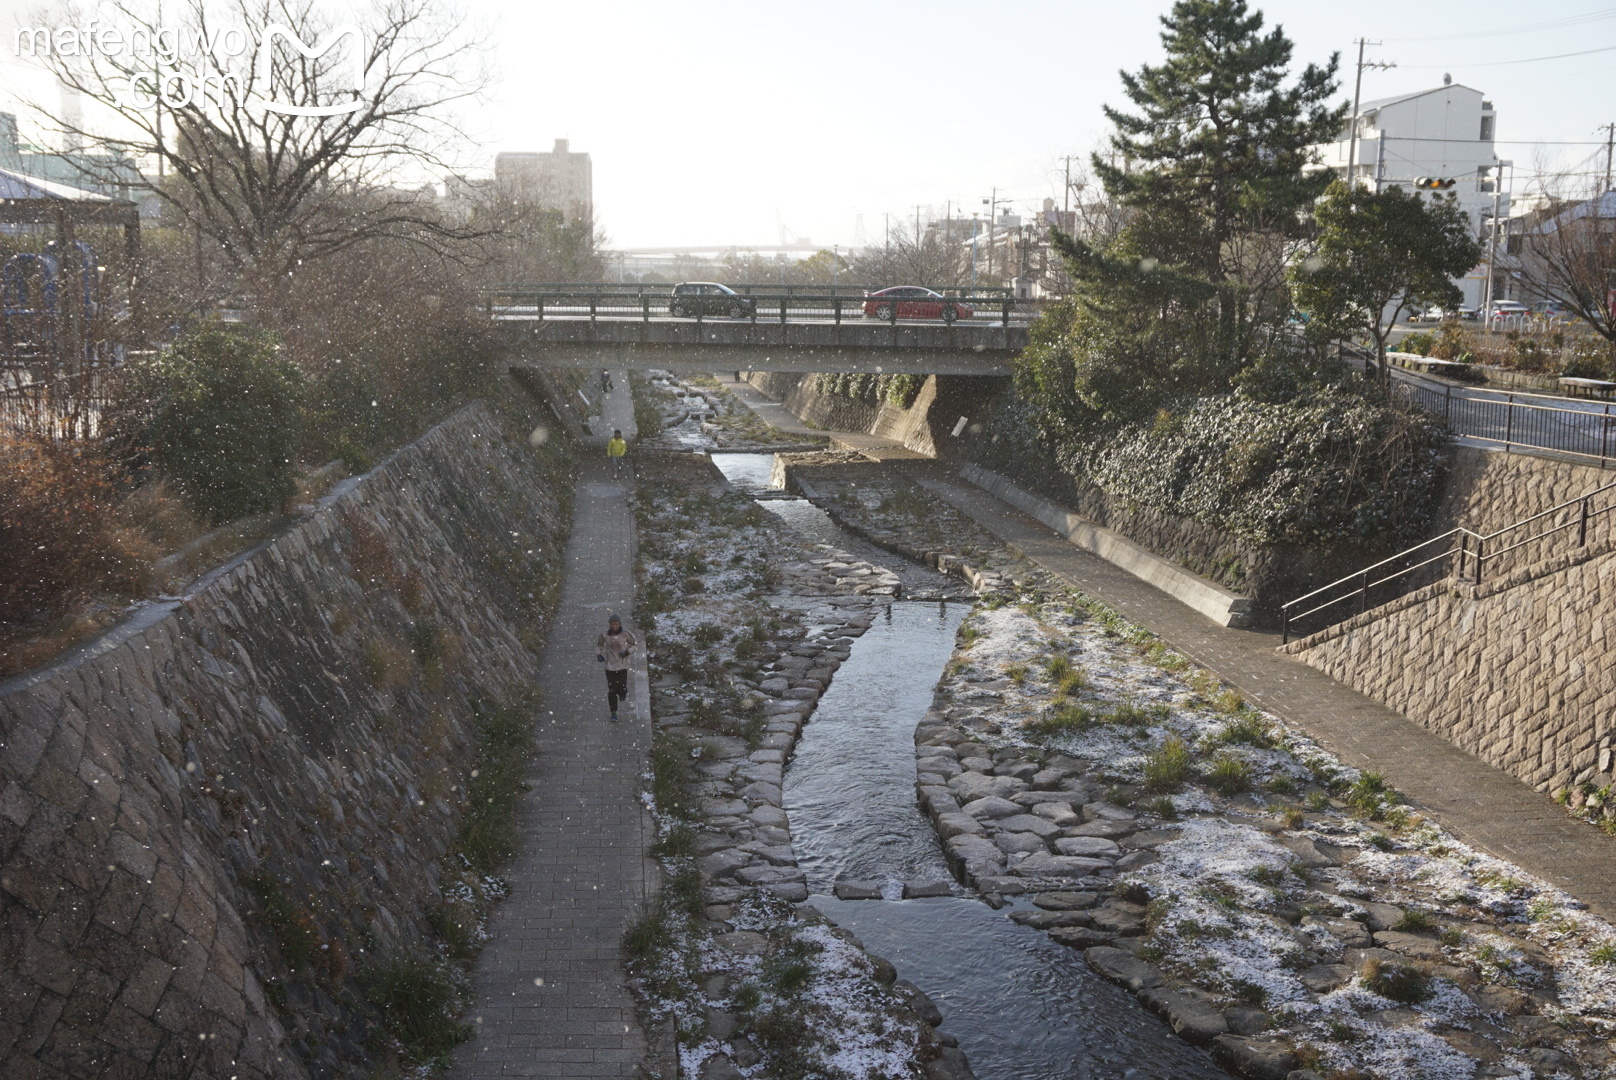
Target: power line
[
  {"x": 1502, "y": 142},
  {"x": 1526, "y": 60},
  {"x": 1555, "y": 24}
]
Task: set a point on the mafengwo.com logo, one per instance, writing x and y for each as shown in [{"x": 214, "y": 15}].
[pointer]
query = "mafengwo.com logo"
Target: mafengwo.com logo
[{"x": 184, "y": 67}]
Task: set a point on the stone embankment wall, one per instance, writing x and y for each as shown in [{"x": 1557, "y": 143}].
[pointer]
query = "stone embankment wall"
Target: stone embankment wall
[
  {"x": 1514, "y": 670},
  {"x": 1487, "y": 490},
  {"x": 218, "y": 818}
]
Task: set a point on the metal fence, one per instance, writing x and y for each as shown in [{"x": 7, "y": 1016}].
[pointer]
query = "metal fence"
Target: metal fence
[
  {"x": 526, "y": 302},
  {"x": 1582, "y": 430},
  {"x": 1459, "y": 554},
  {"x": 62, "y": 405}
]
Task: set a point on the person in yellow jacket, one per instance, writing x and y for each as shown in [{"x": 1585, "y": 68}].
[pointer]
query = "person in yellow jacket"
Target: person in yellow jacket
[{"x": 617, "y": 451}]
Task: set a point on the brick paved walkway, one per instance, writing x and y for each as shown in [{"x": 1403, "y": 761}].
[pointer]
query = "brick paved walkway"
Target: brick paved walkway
[
  {"x": 1481, "y": 805},
  {"x": 550, "y": 993}
]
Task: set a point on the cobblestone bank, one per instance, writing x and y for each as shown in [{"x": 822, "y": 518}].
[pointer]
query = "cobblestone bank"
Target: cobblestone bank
[
  {"x": 222, "y": 820},
  {"x": 1270, "y": 903},
  {"x": 748, "y": 625}
]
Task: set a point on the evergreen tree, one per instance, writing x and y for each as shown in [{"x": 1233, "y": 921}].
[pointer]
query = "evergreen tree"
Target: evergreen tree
[
  {"x": 1377, "y": 254},
  {"x": 1210, "y": 171}
]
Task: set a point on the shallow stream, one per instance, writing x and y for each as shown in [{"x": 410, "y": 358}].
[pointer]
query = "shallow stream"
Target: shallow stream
[{"x": 1022, "y": 1007}]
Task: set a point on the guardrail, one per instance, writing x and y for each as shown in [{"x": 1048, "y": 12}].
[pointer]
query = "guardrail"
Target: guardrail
[
  {"x": 527, "y": 302},
  {"x": 764, "y": 288},
  {"x": 1517, "y": 419},
  {"x": 1459, "y": 554}
]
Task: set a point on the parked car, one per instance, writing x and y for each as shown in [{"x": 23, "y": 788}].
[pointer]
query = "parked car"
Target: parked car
[
  {"x": 1437, "y": 314},
  {"x": 710, "y": 298},
  {"x": 1552, "y": 309},
  {"x": 913, "y": 302},
  {"x": 1500, "y": 308}
]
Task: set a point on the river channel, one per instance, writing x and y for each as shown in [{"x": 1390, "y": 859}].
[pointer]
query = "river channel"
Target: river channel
[{"x": 1022, "y": 1007}]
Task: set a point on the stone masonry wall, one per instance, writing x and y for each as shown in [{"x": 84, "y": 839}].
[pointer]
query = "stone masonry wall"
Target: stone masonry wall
[
  {"x": 1487, "y": 490},
  {"x": 217, "y": 819},
  {"x": 1515, "y": 671}
]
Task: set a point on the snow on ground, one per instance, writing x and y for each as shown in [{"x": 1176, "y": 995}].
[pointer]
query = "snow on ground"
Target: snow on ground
[{"x": 1220, "y": 889}]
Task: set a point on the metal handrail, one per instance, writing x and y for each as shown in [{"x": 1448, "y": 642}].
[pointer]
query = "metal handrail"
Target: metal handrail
[
  {"x": 1542, "y": 422},
  {"x": 1001, "y": 308},
  {"x": 1362, "y": 583}
]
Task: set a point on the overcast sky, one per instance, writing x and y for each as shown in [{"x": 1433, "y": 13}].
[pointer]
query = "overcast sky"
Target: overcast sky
[{"x": 708, "y": 122}]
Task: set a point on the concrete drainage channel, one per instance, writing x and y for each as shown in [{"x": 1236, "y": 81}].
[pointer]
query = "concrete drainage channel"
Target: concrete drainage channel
[{"x": 1021, "y": 1006}]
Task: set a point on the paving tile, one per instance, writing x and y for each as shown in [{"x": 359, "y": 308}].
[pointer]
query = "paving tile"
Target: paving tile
[{"x": 582, "y": 874}]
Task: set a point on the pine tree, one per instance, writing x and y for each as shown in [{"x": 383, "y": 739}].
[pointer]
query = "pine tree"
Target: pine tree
[{"x": 1209, "y": 168}]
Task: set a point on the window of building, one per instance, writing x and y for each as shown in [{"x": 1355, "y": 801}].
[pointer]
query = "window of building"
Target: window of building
[{"x": 1487, "y": 128}]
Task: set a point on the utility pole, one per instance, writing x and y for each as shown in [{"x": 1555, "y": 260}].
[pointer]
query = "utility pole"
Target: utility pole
[
  {"x": 1492, "y": 245},
  {"x": 1610, "y": 150},
  {"x": 1066, "y": 189},
  {"x": 1357, "y": 96},
  {"x": 1380, "y": 159}
]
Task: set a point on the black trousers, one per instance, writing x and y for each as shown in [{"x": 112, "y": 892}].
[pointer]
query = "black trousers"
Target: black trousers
[{"x": 616, "y": 687}]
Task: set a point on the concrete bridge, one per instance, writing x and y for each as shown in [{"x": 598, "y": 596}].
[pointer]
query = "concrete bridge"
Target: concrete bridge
[{"x": 827, "y": 330}]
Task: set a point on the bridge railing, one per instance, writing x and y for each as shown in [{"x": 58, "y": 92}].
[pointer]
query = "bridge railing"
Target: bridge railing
[
  {"x": 1459, "y": 554},
  {"x": 529, "y": 302},
  {"x": 764, "y": 288}
]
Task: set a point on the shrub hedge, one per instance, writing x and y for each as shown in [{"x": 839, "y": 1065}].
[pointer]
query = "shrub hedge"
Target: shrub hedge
[{"x": 219, "y": 412}]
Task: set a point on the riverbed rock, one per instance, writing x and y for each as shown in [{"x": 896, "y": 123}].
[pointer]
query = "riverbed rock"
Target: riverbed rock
[
  {"x": 1041, "y": 827},
  {"x": 1124, "y": 968},
  {"x": 1066, "y": 901},
  {"x": 1090, "y": 846},
  {"x": 722, "y": 864},
  {"x": 775, "y": 686},
  {"x": 743, "y": 943},
  {"x": 1003, "y": 886},
  {"x": 949, "y": 825},
  {"x": 970, "y": 786},
  {"x": 1041, "y": 864},
  {"x": 768, "y": 875},
  {"x": 1049, "y": 920},
  {"x": 1420, "y": 948},
  {"x": 920, "y": 890},
  {"x": 1135, "y": 859},
  {"x": 1348, "y": 933},
  {"x": 1117, "y": 918},
  {"x": 1061, "y": 814},
  {"x": 968, "y": 849},
  {"x": 744, "y": 1053},
  {"x": 1192, "y": 1019},
  {"x": 1037, "y": 798},
  {"x": 992, "y": 807},
  {"x": 1323, "y": 978},
  {"x": 1104, "y": 811},
  {"x": 950, "y": 1064},
  {"x": 1247, "y": 1020},
  {"x": 851, "y": 889},
  {"x": 1012, "y": 842},
  {"x": 1316, "y": 854},
  {"x": 1380, "y": 916},
  {"x": 1258, "y": 1059},
  {"x": 1079, "y": 937},
  {"x": 916, "y": 999},
  {"x": 1150, "y": 838},
  {"x": 1110, "y": 830},
  {"x": 771, "y": 816}
]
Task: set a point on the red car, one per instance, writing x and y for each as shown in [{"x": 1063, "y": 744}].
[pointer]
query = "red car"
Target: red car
[{"x": 913, "y": 302}]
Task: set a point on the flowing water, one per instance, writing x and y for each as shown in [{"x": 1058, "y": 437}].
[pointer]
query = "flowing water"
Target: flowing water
[{"x": 1022, "y": 1007}]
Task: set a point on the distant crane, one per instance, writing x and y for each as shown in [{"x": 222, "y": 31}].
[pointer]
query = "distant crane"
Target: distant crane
[{"x": 787, "y": 237}]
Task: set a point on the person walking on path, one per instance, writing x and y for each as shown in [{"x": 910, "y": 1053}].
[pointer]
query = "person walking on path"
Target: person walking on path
[
  {"x": 613, "y": 648},
  {"x": 617, "y": 451}
]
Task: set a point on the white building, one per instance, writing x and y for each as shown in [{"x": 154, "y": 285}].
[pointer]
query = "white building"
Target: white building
[
  {"x": 561, "y": 178},
  {"x": 1444, "y": 132}
]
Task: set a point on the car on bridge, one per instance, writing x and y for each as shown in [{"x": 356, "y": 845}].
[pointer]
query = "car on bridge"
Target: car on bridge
[
  {"x": 913, "y": 302},
  {"x": 710, "y": 298}
]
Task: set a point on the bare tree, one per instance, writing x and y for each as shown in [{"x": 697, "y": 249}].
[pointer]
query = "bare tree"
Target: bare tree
[
  {"x": 1568, "y": 254},
  {"x": 285, "y": 157}
]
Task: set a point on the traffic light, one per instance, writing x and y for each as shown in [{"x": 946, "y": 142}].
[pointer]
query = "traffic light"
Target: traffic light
[{"x": 1434, "y": 183}]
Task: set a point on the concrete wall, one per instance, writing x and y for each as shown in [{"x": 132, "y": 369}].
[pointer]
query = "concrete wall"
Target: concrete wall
[
  {"x": 267, "y": 769},
  {"x": 1488, "y": 489},
  {"x": 925, "y": 427}
]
